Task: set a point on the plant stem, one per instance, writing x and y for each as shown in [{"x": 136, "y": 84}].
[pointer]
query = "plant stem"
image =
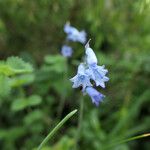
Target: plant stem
[
  {"x": 79, "y": 122},
  {"x": 127, "y": 140},
  {"x": 57, "y": 127}
]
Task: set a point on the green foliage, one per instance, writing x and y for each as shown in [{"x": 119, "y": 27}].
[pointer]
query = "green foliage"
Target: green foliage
[
  {"x": 22, "y": 103},
  {"x": 55, "y": 63},
  {"x": 24, "y": 79},
  {"x": 30, "y": 99},
  {"x": 65, "y": 143},
  {"x": 5, "y": 85},
  {"x": 14, "y": 72},
  {"x": 33, "y": 117},
  {"x": 13, "y": 66}
]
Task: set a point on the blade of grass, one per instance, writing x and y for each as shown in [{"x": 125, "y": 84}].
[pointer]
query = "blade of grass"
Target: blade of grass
[
  {"x": 57, "y": 127},
  {"x": 127, "y": 140}
]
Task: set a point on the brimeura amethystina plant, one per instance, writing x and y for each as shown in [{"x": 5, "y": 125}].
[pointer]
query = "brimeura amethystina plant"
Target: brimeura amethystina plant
[{"x": 88, "y": 71}]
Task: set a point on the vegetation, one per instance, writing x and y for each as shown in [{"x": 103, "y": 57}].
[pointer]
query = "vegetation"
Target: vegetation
[{"x": 35, "y": 91}]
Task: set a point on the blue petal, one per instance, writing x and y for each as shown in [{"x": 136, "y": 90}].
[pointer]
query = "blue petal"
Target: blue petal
[
  {"x": 81, "y": 79},
  {"x": 68, "y": 29},
  {"x": 97, "y": 74},
  {"x": 81, "y": 69},
  {"x": 82, "y": 37},
  {"x": 96, "y": 96},
  {"x": 73, "y": 36},
  {"x": 91, "y": 57}
]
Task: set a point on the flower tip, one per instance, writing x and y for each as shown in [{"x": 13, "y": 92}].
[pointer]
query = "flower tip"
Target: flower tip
[
  {"x": 87, "y": 44},
  {"x": 74, "y": 111}
]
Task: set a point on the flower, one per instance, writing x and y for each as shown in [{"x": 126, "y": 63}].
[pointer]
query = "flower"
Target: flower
[
  {"x": 66, "y": 51},
  {"x": 87, "y": 71},
  {"x": 81, "y": 79},
  {"x": 97, "y": 73},
  {"x": 90, "y": 55},
  {"x": 96, "y": 96},
  {"x": 74, "y": 35},
  {"x": 82, "y": 37},
  {"x": 69, "y": 29}
]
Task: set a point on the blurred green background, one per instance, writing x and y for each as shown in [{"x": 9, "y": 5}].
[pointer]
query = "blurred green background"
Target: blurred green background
[{"x": 33, "y": 90}]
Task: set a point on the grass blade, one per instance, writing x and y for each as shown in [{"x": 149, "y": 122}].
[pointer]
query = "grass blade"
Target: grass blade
[
  {"x": 128, "y": 140},
  {"x": 57, "y": 127}
]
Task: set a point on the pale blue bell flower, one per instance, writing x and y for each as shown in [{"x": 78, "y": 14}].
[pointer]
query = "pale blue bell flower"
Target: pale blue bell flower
[
  {"x": 81, "y": 79},
  {"x": 96, "y": 96},
  {"x": 90, "y": 71},
  {"x": 90, "y": 55},
  {"x": 97, "y": 73}
]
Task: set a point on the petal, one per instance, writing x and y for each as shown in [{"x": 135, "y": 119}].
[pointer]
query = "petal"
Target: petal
[
  {"x": 81, "y": 80},
  {"x": 91, "y": 57},
  {"x": 96, "y": 96},
  {"x": 100, "y": 83},
  {"x": 81, "y": 69},
  {"x": 105, "y": 79},
  {"x": 68, "y": 29},
  {"x": 98, "y": 75},
  {"x": 82, "y": 37}
]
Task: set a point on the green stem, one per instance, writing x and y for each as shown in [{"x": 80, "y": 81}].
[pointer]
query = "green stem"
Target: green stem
[
  {"x": 127, "y": 140},
  {"x": 80, "y": 122},
  {"x": 58, "y": 126}
]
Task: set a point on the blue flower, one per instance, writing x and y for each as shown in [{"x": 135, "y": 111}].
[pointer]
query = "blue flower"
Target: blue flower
[
  {"x": 90, "y": 55},
  {"x": 97, "y": 73},
  {"x": 74, "y": 35},
  {"x": 81, "y": 79},
  {"x": 69, "y": 29},
  {"x": 82, "y": 37},
  {"x": 87, "y": 71},
  {"x": 66, "y": 51},
  {"x": 96, "y": 96}
]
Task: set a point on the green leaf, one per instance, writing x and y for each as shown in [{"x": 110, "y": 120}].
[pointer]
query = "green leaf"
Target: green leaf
[
  {"x": 20, "y": 104},
  {"x": 56, "y": 128},
  {"x": 12, "y": 133},
  {"x": 34, "y": 100},
  {"x": 64, "y": 143},
  {"x": 55, "y": 63},
  {"x": 126, "y": 140},
  {"x": 33, "y": 116},
  {"x": 24, "y": 79},
  {"x": 14, "y": 65},
  {"x": 4, "y": 86}
]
